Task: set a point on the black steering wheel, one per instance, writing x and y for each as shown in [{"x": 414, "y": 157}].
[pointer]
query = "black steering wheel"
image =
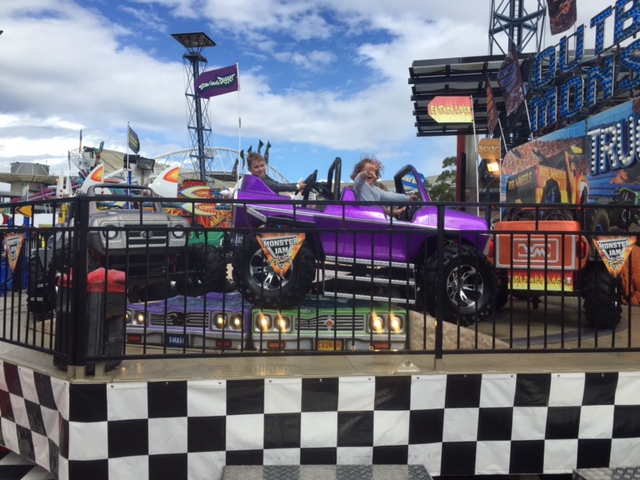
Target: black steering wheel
[
  {"x": 310, "y": 182},
  {"x": 411, "y": 209}
]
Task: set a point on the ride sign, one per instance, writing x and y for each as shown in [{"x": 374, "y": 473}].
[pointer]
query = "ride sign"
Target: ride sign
[
  {"x": 451, "y": 109},
  {"x": 280, "y": 249}
]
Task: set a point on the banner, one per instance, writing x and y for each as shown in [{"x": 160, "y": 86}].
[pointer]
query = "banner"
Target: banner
[
  {"x": 562, "y": 15},
  {"x": 492, "y": 111},
  {"x": 134, "y": 142},
  {"x": 451, "y": 109},
  {"x": 490, "y": 149},
  {"x": 614, "y": 251},
  {"x": 281, "y": 249},
  {"x": 13, "y": 245},
  {"x": 510, "y": 81},
  {"x": 218, "y": 82}
]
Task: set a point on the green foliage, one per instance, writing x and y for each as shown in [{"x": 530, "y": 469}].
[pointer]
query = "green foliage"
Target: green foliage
[{"x": 444, "y": 188}]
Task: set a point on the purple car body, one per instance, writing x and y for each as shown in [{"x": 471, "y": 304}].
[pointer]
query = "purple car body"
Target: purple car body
[
  {"x": 343, "y": 231},
  {"x": 216, "y": 320}
]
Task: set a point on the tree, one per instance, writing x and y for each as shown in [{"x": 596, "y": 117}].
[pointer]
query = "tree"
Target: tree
[{"x": 444, "y": 188}]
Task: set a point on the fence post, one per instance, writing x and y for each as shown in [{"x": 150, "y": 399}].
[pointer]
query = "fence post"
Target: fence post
[
  {"x": 441, "y": 287},
  {"x": 80, "y": 248}
]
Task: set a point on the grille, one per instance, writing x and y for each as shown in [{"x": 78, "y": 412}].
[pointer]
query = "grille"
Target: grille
[
  {"x": 142, "y": 238},
  {"x": 340, "y": 323},
  {"x": 192, "y": 319}
]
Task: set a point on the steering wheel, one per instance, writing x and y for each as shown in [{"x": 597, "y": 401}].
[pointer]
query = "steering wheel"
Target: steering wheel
[
  {"x": 324, "y": 190},
  {"x": 310, "y": 182},
  {"x": 408, "y": 213}
]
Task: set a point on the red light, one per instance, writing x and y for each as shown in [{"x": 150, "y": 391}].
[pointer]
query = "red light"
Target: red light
[
  {"x": 492, "y": 248},
  {"x": 275, "y": 345},
  {"x": 134, "y": 338},
  {"x": 223, "y": 343},
  {"x": 581, "y": 248}
]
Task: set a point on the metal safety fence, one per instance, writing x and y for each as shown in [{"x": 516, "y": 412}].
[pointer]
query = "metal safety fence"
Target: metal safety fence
[{"x": 101, "y": 279}]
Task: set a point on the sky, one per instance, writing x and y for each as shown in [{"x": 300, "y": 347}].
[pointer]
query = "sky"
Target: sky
[{"x": 319, "y": 79}]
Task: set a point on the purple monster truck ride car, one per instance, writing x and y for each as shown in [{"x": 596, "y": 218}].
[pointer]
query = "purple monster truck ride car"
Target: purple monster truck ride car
[{"x": 340, "y": 246}]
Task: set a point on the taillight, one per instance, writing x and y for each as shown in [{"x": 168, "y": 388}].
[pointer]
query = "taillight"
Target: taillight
[
  {"x": 581, "y": 248},
  {"x": 492, "y": 248}
]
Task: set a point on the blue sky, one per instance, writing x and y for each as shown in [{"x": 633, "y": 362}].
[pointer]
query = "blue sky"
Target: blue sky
[{"x": 319, "y": 78}]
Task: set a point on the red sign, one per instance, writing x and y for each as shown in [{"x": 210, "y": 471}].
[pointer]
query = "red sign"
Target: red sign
[{"x": 451, "y": 109}]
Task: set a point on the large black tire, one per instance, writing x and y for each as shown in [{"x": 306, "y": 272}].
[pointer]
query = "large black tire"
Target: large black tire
[
  {"x": 203, "y": 269},
  {"x": 469, "y": 295},
  {"x": 262, "y": 286},
  {"x": 502, "y": 290},
  {"x": 602, "y": 296}
]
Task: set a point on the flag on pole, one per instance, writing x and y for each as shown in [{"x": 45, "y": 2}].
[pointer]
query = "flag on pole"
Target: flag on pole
[
  {"x": 510, "y": 80},
  {"x": 134, "y": 142},
  {"x": 218, "y": 82},
  {"x": 562, "y": 15},
  {"x": 242, "y": 156},
  {"x": 266, "y": 152},
  {"x": 260, "y": 145},
  {"x": 80, "y": 148},
  {"x": 492, "y": 111},
  {"x": 234, "y": 170}
]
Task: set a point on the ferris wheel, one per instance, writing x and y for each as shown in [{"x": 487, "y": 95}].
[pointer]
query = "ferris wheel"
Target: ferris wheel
[{"x": 220, "y": 164}]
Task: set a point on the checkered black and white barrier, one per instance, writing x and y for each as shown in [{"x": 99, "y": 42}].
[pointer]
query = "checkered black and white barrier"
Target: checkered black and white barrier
[{"x": 452, "y": 424}]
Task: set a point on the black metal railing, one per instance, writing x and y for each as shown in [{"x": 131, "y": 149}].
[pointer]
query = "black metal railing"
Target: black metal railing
[{"x": 539, "y": 283}]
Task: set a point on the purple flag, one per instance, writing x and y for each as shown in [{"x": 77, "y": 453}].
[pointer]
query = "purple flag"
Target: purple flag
[
  {"x": 510, "y": 80},
  {"x": 492, "y": 111},
  {"x": 562, "y": 15},
  {"x": 217, "y": 82}
]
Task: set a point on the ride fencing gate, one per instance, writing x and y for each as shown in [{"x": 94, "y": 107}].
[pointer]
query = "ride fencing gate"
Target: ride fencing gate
[
  {"x": 222, "y": 292},
  {"x": 275, "y": 292}
]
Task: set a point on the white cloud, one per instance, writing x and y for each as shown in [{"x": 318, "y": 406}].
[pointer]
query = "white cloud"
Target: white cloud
[{"x": 321, "y": 75}]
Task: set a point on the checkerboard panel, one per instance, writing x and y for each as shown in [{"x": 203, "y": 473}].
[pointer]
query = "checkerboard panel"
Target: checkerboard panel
[{"x": 480, "y": 424}]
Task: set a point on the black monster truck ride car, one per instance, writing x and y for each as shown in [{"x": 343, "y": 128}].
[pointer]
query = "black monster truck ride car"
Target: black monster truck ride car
[{"x": 128, "y": 230}]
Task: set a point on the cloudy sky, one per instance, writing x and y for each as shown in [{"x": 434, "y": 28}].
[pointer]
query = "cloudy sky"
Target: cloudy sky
[{"x": 319, "y": 78}]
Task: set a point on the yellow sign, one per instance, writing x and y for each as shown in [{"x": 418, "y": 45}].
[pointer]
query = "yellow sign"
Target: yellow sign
[
  {"x": 26, "y": 210},
  {"x": 537, "y": 281},
  {"x": 614, "y": 251},
  {"x": 281, "y": 249},
  {"x": 13, "y": 245},
  {"x": 489, "y": 149}
]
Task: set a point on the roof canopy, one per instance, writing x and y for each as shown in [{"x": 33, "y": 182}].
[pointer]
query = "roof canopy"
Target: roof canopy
[{"x": 464, "y": 77}]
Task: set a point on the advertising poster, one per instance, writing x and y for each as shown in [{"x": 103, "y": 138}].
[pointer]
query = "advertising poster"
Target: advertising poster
[{"x": 592, "y": 162}]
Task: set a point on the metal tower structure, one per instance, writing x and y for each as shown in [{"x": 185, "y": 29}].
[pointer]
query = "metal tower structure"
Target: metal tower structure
[
  {"x": 199, "y": 124},
  {"x": 512, "y": 21}
]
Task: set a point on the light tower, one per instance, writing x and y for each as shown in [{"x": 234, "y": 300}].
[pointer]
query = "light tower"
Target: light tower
[
  {"x": 512, "y": 21},
  {"x": 199, "y": 125}
]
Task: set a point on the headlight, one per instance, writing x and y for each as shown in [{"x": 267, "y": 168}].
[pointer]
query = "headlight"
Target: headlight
[
  {"x": 179, "y": 232},
  {"x": 283, "y": 323},
  {"x": 110, "y": 234},
  {"x": 236, "y": 322},
  {"x": 219, "y": 321},
  {"x": 133, "y": 317},
  {"x": 376, "y": 322},
  {"x": 263, "y": 322},
  {"x": 396, "y": 323}
]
